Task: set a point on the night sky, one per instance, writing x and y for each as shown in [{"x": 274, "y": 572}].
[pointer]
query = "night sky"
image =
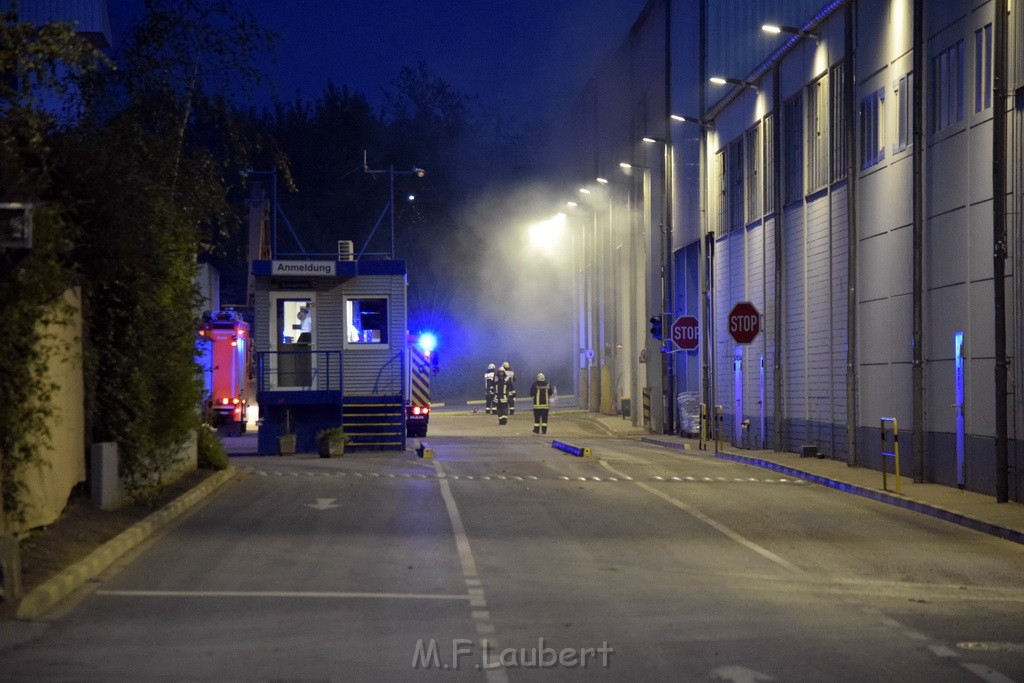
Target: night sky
[{"x": 525, "y": 56}]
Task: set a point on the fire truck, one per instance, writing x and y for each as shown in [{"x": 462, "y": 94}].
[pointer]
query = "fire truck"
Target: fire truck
[{"x": 224, "y": 351}]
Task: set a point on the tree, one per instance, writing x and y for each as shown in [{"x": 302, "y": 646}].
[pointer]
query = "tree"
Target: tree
[
  {"x": 147, "y": 175},
  {"x": 37, "y": 65}
]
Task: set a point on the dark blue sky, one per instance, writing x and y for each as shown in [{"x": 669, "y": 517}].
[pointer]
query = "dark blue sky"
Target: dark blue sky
[{"x": 523, "y": 55}]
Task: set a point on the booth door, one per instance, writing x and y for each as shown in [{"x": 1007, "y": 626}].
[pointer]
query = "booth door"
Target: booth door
[{"x": 293, "y": 322}]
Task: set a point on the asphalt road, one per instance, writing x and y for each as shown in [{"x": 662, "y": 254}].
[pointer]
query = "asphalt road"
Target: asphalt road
[{"x": 505, "y": 559}]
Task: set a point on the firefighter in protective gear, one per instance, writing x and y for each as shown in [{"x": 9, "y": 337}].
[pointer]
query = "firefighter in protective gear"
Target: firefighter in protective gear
[
  {"x": 489, "y": 378},
  {"x": 540, "y": 391},
  {"x": 511, "y": 374},
  {"x": 502, "y": 388}
]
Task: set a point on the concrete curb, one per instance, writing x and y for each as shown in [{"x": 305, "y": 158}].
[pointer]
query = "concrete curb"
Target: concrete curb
[
  {"x": 44, "y": 597},
  {"x": 883, "y": 497}
]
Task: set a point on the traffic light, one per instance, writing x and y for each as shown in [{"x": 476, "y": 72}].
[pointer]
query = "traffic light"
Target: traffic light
[{"x": 656, "y": 327}]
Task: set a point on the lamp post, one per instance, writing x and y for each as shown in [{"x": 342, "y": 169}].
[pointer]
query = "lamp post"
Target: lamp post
[
  {"x": 667, "y": 303},
  {"x": 639, "y": 245},
  {"x": 793, "y": 30},
  {"x": 590, "y": 309},
  {"x": 548, "y": 236},
  {"x": 416, "y": 171}
]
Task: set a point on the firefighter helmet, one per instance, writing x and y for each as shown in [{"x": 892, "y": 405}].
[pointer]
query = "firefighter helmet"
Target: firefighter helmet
[
  {"x": 540, "y": 376},
  {"x": 505, "y": 365},
  {"x": 491, "y": 366}
]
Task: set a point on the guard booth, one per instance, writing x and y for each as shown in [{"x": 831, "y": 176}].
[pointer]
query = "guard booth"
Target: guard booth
[{"x": 330, "y": 350}]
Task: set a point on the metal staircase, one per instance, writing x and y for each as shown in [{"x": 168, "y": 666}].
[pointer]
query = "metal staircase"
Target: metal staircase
[{"x": 374, "y": 422}]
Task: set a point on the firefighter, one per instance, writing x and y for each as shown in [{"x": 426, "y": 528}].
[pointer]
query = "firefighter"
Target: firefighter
[
  {"x": 511, "y": 374},
  {"x": 540, "y": 391},
  {"x": 502, "y": 387},
  {"x": 489, "y": 377}
]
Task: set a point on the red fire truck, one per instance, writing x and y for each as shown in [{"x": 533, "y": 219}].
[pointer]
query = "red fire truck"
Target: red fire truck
[{"x": 224, "y": 357}]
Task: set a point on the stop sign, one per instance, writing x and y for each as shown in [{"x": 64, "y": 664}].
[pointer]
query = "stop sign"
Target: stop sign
[
  {"x": 744, "y": 322},
  {"x": 685, "y": 333}
]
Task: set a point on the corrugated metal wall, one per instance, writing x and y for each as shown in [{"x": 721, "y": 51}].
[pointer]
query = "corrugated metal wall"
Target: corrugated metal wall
[{"x": 371, "y": 370}]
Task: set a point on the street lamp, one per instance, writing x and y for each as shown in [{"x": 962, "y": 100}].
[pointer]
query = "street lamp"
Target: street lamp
[
  {"x": 590, "y": 309},
  {"x": 722, "y": 80},
  {"x": 638, "y": 245},
  {"x": 667, "y": 299},
  {"x": 390, "y": 208},
  {"x": 779, "y": 28}
]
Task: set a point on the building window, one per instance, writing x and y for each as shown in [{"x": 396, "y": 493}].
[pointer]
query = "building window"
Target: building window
[
  {"x": 793, "y": 143},
  {"x": 768, "y": 133},
  {"x": 948, "y": 87},
  {"x": 719, "y": 195},
  {"x": 816, "y": 129},
  {"x": 838, "y": 120},
  {"x": 872, "y": 141},
  {"x": 734, "y": 176},
  {"x": 904, "y": 112},
  {"x": 366, "y": 321},
  {"x": 754, "y": 173},
  {"x": 983, "y": 68}
]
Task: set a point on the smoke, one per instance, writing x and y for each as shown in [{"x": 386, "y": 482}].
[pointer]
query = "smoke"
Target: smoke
[{"x": 512, "y": 295}]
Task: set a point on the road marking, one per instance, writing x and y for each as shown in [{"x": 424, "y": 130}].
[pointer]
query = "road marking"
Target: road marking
[
  {"x": 674, "y": 479},
  {"x": 718, "y": 526},
  {"x": 323, "y": 504},
  {"x": 481, "y": 616},
  {"x": 343, "y": 595},
  {"x": 987, "y": 673},
  {"x": 739, "y": 674}
]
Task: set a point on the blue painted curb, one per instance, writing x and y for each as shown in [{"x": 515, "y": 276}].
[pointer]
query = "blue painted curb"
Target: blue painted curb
[{"x": 883, "y": 497}]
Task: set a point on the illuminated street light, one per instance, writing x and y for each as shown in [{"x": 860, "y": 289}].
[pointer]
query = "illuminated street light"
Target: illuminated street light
[
  {"x": 545, "y": 235},
  {"x": 779, "y": 28},
  {"x": 679, "y": 118},
  {"x": 722, "y": 80}
]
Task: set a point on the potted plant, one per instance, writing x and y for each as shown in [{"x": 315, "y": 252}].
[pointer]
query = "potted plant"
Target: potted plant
[
  {"x": 331, "y": 442},
  {"x": 286, "y": 443}
]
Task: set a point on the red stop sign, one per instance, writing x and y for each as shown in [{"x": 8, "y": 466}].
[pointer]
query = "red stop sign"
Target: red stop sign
[
  {"x": 685, "y": 332},
  {"x": 744, "y": 322}
]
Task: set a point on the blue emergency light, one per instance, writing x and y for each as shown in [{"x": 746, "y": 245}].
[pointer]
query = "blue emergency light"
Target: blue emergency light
[{"x": 427, "y": 342}]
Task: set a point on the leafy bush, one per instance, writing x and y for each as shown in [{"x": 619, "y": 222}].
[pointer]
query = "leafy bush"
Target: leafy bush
[
  {"x": 211, "y": 452},
  {"x": 333, "y": 434}
]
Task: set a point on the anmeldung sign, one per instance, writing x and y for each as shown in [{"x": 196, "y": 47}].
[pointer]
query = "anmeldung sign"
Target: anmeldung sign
[{"x": 304, "y": 268}]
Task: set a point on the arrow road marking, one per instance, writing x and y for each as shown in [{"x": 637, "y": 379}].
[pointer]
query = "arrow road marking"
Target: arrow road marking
[
  {"x": 323, "y": 504},
  {"x": 739, "y": 674}
]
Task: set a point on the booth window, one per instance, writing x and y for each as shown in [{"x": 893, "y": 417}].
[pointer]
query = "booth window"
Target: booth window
[{"x": 366, "y": 321}]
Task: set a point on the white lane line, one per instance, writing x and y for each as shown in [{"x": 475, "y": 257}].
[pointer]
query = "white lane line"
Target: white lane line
[
  {"x": 718, "y": 526},
  {"x": 345, "y": 595},
  {"x": 481, "y": 617},
  {"x": 943, "y": 651},
  {"x": 987, "y": 673}
]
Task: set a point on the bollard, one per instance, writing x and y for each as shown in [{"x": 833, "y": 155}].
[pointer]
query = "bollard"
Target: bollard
[{"x": 894, "y": 454}]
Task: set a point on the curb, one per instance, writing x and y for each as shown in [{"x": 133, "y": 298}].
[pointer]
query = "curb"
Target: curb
[
  {"x": 883, "y": 497},
  {"x": 45, "y": 596}
]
